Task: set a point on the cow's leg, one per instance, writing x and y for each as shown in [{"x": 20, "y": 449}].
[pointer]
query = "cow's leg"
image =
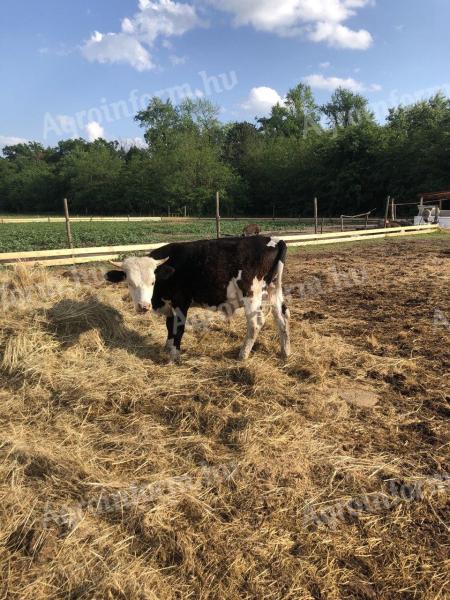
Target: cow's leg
[
  {"x": 280, "y": 311},
  {"x": 255, "y": 320},
  {"x": 281, "y": 315},
  {"x": 170, "y": 334},
  {"x": 175, "y": 330}
]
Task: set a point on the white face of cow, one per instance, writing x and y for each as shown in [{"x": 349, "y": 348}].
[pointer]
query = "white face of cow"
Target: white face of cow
[{"x": 139, "y": 273}]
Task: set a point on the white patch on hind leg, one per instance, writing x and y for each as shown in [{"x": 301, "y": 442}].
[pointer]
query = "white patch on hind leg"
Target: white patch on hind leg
[
  {"x": 282, "y": 319},
  {"x": 254, "y": 315}
]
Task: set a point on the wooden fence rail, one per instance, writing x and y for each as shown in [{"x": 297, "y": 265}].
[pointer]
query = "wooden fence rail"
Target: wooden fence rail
[
  {"x": 68, "y": 256},
  {"x": 8, "y": 220},
  {"x": 307, "y": 220}
]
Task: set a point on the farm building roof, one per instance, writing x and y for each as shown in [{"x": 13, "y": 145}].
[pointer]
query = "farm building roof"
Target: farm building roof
[{"x": 435, "y": 196}]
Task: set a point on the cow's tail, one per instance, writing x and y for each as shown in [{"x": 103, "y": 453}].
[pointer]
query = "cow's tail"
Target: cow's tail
[
  {"x": 274, "y": 280},
  {"x": 275, "y": 275}
]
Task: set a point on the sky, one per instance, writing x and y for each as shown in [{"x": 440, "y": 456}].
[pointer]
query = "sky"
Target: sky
[{"x": 84, "y": 68}]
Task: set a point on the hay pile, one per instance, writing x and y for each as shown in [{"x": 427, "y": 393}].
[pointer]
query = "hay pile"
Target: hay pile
[{"x": 123, "y": 478}]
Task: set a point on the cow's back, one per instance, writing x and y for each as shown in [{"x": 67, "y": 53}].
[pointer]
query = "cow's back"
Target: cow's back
[{"x": 204, "y": 269}]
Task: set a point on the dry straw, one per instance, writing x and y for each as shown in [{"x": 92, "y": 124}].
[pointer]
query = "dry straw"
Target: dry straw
[{"x": 89, "y": 409}]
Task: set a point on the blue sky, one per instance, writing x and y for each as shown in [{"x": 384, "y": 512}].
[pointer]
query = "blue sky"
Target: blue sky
[{"x": 65, "y": 66}]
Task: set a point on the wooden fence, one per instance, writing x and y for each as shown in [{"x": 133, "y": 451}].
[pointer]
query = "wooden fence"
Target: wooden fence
[
  {"x": 72, "y": 256},
  {"x": 305, "y": 220},
  {"x": 7, "y": 220}
]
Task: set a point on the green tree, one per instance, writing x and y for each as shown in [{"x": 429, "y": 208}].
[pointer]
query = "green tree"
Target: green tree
[
  {"x": 238, "y": 140},
  {"x": 298, "y": 115},
  {"x": 160, "y": 120},
  {"x": 28, "y": 182},
  {"x": 346, "y": 108},
  {"x": 91, "y": 178},
  {"x": 281, "y": 163},
  {"x": 417, "y": 153},
  {"x": 185, "y": 147}
]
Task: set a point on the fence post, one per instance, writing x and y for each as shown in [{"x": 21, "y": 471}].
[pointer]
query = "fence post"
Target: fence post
[
  {"x": 393, "y": 209},
  {"x": 386, "y": 214},
  {"x": 218, "y": 214},
  {"x": 68, "y": 230},
  {"x": 342, "y": 223},
  {"x": 367, "y": 220},
  {"x": 316, "y": 223},
  {"x": 185, "y": 211}
]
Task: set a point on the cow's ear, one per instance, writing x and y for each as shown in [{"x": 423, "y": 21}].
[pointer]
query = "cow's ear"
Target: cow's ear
[
  {"x": 115, "y": 276},
  {"x": 164, "y": 272}
]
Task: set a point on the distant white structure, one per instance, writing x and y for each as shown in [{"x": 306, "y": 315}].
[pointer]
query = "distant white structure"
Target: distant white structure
[{"x": 431, "y": 211}]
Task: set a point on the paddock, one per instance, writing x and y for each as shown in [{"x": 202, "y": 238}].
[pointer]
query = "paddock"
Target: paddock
[{"x": 324, "y": 476}]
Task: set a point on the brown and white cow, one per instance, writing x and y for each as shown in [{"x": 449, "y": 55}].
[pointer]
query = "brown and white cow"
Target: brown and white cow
[{"x": 222, "y": 275}]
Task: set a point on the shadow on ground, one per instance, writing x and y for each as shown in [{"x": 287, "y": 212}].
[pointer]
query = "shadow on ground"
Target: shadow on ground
[{"x": 69, "y": 319}]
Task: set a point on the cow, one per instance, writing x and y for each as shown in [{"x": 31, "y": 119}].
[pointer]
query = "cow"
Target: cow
[{"x": 222, "y": 275}]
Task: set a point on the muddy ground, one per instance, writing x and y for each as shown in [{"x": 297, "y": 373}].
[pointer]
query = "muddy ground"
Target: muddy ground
[{"x": 391, "y": 298}]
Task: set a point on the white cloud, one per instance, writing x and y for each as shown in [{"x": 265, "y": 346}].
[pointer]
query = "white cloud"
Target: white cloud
[
  {"x": 340, "y": 36},
  {"x": 325, "y": 65},
  {"x": 319, "y": 20},
  {"x": 117, "y": 48},
  {"x": 318, "y": 81},
  {"x": 10, "y": 140},
  {"x": 162, "y": 18},
  {"x": 154, "y": 19},
  {"x": 261, "y": 99},
  {"x": 94, "y": 131}
]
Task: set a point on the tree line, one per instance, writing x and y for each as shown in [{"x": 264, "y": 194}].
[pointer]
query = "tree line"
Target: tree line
[{"x": 278, "y": 164}]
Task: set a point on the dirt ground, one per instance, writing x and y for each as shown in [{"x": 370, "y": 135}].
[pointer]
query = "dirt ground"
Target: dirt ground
[{"x": 325, "y": 477}]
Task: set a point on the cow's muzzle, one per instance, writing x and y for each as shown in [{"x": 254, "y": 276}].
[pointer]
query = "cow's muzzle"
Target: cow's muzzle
[{"x": 143, "y": 308}]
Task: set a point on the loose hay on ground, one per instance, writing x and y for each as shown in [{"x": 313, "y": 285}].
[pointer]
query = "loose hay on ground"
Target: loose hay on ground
[{"x": 125, "y": 478}]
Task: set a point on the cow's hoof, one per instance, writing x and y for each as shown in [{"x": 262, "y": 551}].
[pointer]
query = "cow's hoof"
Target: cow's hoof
[
  {"x": 285, "y": 353},
  {"x": 174, "y": 357}
]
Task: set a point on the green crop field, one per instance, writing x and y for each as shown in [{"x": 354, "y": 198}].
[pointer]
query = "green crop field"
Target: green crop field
[{"x": 21, "y": 237}]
